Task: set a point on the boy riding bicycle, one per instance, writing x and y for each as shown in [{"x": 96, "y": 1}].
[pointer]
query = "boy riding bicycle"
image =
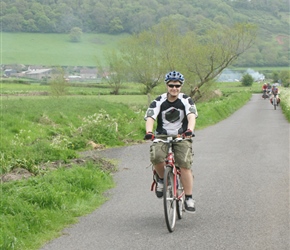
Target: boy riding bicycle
[{"x": 175, "y": 113}]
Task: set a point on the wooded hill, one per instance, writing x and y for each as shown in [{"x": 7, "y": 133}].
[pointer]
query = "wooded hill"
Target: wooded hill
[
  {"x": 116, "y": 16},
  {"x": 131, "y": 16}
]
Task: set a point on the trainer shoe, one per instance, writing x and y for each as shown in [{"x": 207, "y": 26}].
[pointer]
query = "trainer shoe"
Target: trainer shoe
[
  {"x": 159, "y": 189},
  {"x": 189, "y": 205}
]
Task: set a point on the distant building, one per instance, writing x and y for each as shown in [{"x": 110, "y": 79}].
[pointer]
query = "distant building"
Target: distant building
[
  {"x": 88, "y": 73},
  {"x": 73, "y": 78},
  {"x": 38, "y": 73},
  {"x": 10, "y": 72}
]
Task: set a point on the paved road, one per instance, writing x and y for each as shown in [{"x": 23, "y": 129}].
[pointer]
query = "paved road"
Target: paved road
[{"x": 241, "y": 188}]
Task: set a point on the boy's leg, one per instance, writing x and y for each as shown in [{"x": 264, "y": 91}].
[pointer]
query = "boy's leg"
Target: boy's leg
[
  {"x": 187, "y": 180},
  {"x": 160, "y": 169}
]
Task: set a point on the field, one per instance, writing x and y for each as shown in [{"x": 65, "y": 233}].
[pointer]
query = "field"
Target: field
[
  {"x": 54, "y": 49},
  {"x": 57, "y": 50},
  {"x": 50, "y": 128}
]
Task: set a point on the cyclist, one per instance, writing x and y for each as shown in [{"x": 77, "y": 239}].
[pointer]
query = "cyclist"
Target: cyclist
[
  {"x": 175, "y": 113},
  {"x": 264, "y": 89},
  {"x": 275, "y": 91}
]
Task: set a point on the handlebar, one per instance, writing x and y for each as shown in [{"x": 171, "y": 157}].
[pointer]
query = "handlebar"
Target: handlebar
[{"x": 169, "y": 138}]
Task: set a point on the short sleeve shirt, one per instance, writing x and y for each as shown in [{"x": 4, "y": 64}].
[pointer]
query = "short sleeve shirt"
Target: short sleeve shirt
[{"x": 171, "y": 116}]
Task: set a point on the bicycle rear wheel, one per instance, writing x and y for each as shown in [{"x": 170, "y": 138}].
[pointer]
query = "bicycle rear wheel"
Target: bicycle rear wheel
[{"x": 169, "y": 199}]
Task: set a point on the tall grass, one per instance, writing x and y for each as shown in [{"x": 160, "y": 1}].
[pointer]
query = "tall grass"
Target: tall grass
[
  {"x": 285, "y": 102},
  {"x": 218, "y": 109},
  {"x": 37, "y": 130},
  {"x": 35, "y": 210}
]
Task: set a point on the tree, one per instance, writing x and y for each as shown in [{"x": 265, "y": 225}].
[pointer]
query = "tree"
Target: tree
[
  {"x": 58, "y": 83},
  {"x": 285, "y": 77},
  {"x": 113, "y": 71},
  {"x": 116, "y": 26},
  {"x": 142, "y": 59},
  {"x": 247, "y": 80},
  {"x": 165, "y": 47},
  {"x": 12, "y": 22},
  {"x": 275, "y": 76},
  {"x": 75, "y": 34},
  {"x": 206, "y": 57}
]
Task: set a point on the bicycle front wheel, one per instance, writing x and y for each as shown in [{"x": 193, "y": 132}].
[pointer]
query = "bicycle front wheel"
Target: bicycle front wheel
[
  {"x": 180, "y": 202},
  {"x": 275, "y": 103},
  {"x": 169, "y": 199}
]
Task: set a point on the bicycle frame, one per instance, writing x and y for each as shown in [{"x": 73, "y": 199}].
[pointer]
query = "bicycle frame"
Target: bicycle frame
[{"x": 168, "y": 161}]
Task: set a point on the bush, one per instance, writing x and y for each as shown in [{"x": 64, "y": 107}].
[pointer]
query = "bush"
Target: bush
[
  {"x": 75, "y": 34},
  {"x": 58, "y": 83},
  {"x": 247, "y": 80},
  {"x": 285, "y": 77}
]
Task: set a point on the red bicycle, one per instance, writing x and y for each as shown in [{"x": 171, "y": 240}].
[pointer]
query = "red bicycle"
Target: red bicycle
[{"x": 173, "y": 193}]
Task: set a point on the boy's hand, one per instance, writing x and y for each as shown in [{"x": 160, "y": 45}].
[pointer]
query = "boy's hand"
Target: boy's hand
[
  {"x": 149, "y": 136},
  {"x": 188, "y": 133}
]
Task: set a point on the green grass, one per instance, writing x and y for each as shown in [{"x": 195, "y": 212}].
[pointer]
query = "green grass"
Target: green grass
[
  {"x": 35, "y": 210},
  {"x": 37, "y": 129},
  {"x": 11, "y": 87},
  {"x": 50, "y": 128},
  {"x": 216, "y": 110},
  {"x": 236, "y": 87},
  {"x": 54, "y": 49},
  {"x": 285, "y": 102}
]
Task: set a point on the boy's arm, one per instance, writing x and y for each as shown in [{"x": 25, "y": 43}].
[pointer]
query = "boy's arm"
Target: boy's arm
[
  {"x": 191, "y": 121},
  {"x": 149, "y": 124}
]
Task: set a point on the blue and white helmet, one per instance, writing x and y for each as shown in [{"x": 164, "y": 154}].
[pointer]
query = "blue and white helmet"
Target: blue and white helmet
[{"x": 174, "y": 76}]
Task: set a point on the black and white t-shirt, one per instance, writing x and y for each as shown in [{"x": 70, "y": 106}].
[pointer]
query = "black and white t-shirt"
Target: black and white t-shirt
[{"x": 171, "y": 116}]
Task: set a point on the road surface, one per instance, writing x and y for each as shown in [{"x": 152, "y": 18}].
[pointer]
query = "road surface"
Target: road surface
[{"x": 241, "y": 168}]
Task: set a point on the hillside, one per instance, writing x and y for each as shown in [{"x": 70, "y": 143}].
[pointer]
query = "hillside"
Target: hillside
[{"x": 117, "y": 17}]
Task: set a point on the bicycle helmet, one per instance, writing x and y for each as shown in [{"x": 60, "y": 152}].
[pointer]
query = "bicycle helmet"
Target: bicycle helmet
[{"x": 174, "y": 76}]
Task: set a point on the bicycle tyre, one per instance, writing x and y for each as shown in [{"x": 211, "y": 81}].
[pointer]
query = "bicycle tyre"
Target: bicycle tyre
[
  {"x": 275, "y": 103},
  {"x": 169, "y": 201},
  {"x": 180, "y": 203}
]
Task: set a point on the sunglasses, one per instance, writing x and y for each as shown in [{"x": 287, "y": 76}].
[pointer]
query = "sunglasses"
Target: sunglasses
[{"x": 172, "y": 86}]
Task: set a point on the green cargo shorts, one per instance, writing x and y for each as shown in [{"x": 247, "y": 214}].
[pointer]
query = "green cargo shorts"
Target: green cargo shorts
[{"x": 183, "y": 153}]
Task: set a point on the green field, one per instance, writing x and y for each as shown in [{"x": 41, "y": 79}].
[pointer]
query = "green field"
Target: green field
[
  {"x": 57, "y": 50},
  {"x": 54, "y": 49},
  {"x": 57, "y": 127}
]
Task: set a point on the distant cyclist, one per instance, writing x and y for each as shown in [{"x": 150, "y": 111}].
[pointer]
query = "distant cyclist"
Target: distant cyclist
[
  {"x": 264, "y": 89},
  {"x": 275, "y": 92},
  {"x": 175, "y": 114}
]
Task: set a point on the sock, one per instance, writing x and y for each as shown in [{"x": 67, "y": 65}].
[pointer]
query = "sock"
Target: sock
[{"x": 188, "y": 196}]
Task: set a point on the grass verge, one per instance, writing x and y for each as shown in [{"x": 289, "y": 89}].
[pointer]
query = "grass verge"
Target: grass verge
[
  {"x": 285, "y": 102},
  {"x": 34, "y": 211},
  {"x": 218, "y": 109}
]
